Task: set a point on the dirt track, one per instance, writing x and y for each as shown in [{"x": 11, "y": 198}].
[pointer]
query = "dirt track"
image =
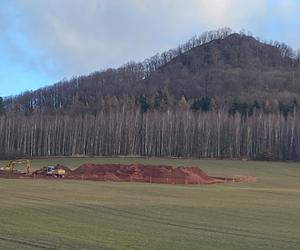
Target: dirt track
[{"x": 136, "y": 173}]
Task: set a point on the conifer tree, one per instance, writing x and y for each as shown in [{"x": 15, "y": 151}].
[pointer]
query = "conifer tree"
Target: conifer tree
[{"x": 2, "y": 109}]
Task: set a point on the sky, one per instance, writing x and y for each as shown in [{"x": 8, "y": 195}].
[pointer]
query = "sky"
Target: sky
[{"x": 45, "y": 41}]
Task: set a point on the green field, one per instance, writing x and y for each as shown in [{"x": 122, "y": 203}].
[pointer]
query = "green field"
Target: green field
[{"x": 56, "y": 214}]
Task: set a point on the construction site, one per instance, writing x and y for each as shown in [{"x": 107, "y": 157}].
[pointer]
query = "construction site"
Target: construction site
[{"x": 119, "y": 173}]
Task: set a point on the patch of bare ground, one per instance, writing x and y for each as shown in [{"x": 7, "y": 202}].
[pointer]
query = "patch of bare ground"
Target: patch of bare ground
[{"x": 137, "y": 173}]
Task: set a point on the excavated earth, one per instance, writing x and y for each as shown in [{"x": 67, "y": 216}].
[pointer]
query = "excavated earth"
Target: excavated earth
[
  {"x": 142, "y": 173},
  {"x": 136, "y": 173}
]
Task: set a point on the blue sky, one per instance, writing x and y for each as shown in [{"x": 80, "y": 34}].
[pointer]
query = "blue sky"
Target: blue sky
[{"x": 42, "y": 42}]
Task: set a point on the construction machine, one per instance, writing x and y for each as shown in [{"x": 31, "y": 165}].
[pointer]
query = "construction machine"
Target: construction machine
[
  {"x": 55, "y": 171},
  {"x": 11, "y": 167}
]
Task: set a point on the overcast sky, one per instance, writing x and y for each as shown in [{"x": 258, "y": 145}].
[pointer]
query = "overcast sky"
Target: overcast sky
[{"x": 44, "y": 41}]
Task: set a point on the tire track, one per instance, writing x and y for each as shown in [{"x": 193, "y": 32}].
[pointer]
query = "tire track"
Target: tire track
[
  {"x": 44, "y": 245},
  {"x": 32, "y": 244},
  {"x": 192, "y": 226}
]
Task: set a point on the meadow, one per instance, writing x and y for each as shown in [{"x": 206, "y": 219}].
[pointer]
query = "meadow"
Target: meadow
[{"x": 65, "y": 214}]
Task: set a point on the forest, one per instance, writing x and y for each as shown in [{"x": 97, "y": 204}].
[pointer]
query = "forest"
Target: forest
[
  {"x": 219, "y": 95},
  {"x": 180, "y": 133}
]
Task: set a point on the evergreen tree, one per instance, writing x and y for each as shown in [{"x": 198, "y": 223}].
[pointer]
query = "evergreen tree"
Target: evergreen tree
[
  {"x": 144, "y": 105},
  {"x": 201, "y": 104},
  {"x": 2, "y": 109}
]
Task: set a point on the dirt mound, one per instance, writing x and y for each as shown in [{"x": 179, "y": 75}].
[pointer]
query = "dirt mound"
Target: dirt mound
[
  {"x": 135, "y": 173},
  {"x": 142, "y": 173}
]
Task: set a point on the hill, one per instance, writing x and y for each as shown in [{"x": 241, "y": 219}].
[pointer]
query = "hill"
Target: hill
[
  {"x": 219, "y": 95},
  {"x": 218, "y": 69}
]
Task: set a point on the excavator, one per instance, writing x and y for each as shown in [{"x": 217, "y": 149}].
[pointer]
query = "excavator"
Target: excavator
[
  {"x": 55, "y": 171},
  {"x": 11, "y": 167}
]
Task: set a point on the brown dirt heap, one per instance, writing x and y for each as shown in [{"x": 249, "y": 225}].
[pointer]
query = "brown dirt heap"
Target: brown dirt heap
[
  {"x": 135, "y": 173},
  {"x": 141, "y": 173}
]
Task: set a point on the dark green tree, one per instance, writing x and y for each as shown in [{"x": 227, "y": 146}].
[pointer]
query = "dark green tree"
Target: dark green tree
[
  {"x": 144, "y": 105},
  {"x": 161, "y": 100},
  {"x": 201, "y": 104},
  {"x": 234, "y": 108},
  {"x": 2, "y": 109}
]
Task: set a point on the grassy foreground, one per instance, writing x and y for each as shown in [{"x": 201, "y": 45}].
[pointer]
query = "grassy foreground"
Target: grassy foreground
[{"x": 43, "y": 214}]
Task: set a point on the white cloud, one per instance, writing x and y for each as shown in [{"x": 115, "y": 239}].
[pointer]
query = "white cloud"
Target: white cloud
[
  {"x": 232, "y": 13},
  {"x": 208, "y": 13}
]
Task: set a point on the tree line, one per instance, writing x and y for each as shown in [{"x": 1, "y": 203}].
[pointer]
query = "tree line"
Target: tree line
[
  {"x": 178, "y": 133},
  {"x": 162, "y": 101}
]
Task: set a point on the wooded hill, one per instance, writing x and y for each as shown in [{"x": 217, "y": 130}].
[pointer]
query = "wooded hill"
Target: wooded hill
[
  {"x": 221, "y": 95},
  {"x": 217, "y": 70}
]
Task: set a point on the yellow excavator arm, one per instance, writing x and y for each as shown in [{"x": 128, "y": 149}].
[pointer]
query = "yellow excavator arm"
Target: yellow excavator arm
[{"x": 12, "y": 164}]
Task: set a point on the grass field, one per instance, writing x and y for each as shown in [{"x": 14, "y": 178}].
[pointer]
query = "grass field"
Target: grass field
[{"x": 43, "y": 214}]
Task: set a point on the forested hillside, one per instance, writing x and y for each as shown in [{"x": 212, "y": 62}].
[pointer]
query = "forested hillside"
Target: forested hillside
[
  {"x": 222, "y": 94},
  {"x": 217, "y": 70}
]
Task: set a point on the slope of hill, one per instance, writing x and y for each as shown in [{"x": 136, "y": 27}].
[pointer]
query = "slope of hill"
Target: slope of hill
[
  {"x": 236, "y": 67},
  {"x": 218, "y": 66}
]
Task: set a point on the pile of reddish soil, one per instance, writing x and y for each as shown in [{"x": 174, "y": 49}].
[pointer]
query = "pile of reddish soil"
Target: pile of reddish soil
[
  {"x": 142, "y": 173},
  {"x": 136, "y": 173}
]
